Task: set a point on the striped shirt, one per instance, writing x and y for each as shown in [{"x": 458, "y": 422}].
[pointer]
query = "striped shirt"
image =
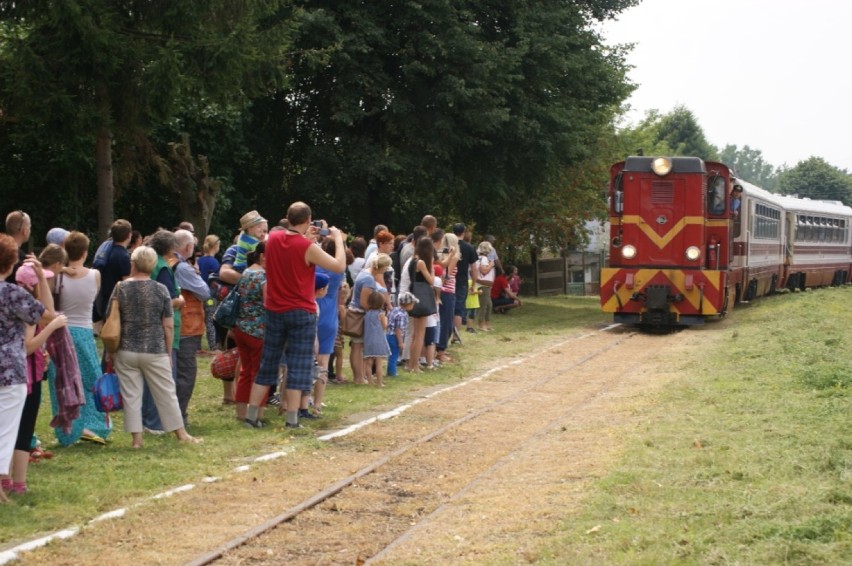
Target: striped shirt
[{"x": 449, "y": 282}]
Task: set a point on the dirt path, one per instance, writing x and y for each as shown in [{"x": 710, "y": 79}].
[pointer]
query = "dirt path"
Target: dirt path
[{"x": 513, "y": 456}]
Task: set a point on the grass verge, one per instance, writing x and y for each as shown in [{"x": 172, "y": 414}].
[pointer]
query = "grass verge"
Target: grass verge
[{"x": 747, "y": 458}]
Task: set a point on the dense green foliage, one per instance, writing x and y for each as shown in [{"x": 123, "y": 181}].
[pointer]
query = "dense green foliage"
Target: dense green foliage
[
  {"x": 369, "y": 111},
  {"x": 675, "y": 133},
  {"x": 679, "y": 133},
  {"x": 83, "y": 84},
  {"x": 816, "y": 179},
  {"x": 499, "y": 113},
  {"x": 749, "y": 165}
]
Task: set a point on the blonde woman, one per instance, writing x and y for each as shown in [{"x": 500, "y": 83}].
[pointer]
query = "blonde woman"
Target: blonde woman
[
  {"x": 485, "y": 279},
  {"x": 448, "y": 257},
  {"x": 208, "y": 264},
  {"x": 369, "y": 280}
]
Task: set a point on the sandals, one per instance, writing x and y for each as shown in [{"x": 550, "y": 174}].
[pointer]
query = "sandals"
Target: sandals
[
  {"x": 93, "y": 438},
  {"x": 37, "y": 454}
]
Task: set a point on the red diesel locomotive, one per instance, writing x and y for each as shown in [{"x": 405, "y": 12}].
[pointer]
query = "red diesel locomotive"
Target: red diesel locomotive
[{"x": 688, "y": 241}]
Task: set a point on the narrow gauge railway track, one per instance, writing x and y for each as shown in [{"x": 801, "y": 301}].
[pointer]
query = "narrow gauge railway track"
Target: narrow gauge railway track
[{"x": 441, "y": 451}]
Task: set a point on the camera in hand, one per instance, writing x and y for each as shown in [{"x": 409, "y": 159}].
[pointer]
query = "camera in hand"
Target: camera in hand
[{"x": 319, "y": 224}]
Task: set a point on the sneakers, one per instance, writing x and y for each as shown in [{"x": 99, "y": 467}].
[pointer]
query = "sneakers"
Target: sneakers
[
  {"x": 306, "y": 414},
  {"x": 154, "y": 431},
  {"x": 297, "y": 425},
  {"x": 254, "y": 424},
  {"x": 274, "y": 401},
  {"x": 471, "y": 329}
]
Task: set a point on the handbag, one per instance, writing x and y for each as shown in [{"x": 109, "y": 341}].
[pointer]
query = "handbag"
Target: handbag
[
  {"x": 425, "y": 304},
  {"x": 353, "y": 324},
  {"x": 57, "y": 292},
  {"x": 111, "y": 330},
  {"x": 107, "y": 393},
  {"x": 229, "y": 309},
  {"x": 224, "y": 365}
]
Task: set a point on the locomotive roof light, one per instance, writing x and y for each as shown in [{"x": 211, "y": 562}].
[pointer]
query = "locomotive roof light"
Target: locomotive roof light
[
  {"x": 628, "y": 252},
  {"x": 661, "y": 166},
  {"x": 693, "y": 253}
]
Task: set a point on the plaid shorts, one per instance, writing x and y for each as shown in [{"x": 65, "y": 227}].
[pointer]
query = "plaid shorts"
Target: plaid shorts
[{"x": 292, "y": 333}]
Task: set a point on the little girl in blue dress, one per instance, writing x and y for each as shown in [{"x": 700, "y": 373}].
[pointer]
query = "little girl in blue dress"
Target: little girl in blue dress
[{"x": 375, "y": 343}]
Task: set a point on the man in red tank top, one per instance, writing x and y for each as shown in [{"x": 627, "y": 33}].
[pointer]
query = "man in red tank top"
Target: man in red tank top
[{"x": 291, "y": 310}]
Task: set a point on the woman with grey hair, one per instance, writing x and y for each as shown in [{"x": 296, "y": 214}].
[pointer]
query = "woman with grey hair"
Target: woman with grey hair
[{"x": 144, "y": 354}]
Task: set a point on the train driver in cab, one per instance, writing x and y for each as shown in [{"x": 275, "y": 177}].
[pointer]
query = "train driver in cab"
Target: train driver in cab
[{"x": 736, "y": 201}]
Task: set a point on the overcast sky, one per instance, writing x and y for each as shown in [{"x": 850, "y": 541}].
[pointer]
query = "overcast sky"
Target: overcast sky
[{"x": 770, "y": 74}]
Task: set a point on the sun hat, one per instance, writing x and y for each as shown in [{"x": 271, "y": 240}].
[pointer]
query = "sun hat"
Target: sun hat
[
  {"x": 250, "y": 219},
  {"x": 27, "y": 277}
]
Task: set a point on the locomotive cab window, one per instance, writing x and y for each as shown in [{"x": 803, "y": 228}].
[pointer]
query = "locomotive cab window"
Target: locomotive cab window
[
  {"x": 618, "y": 194},
  {"x": 716, "y": 195}
]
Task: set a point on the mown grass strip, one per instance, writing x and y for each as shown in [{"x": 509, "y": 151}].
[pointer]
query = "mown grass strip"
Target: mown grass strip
[{"x": 747, "y": 458}]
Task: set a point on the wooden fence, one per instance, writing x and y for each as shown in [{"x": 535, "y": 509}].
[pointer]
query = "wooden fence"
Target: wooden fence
[{"x": 577, "y": 273}]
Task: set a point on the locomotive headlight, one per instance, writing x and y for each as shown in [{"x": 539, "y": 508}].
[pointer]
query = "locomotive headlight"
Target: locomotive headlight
[
  {"x": 693, "y": 253},
  {"x": 662, "y": 166},
  {"x": 628, "y": 252}
]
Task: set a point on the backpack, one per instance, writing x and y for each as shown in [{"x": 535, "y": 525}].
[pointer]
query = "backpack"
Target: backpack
[
  {"x": 102, "y": 255},
  {"x": 107, "y": 393},
  {"x": 228, "y": 311}
]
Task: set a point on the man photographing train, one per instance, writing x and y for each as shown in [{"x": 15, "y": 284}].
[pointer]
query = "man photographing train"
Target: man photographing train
[{"x": 291, "y": 309}]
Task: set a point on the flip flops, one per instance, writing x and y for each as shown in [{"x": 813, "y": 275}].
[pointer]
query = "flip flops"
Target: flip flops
[{"x": 93, "y": 438}]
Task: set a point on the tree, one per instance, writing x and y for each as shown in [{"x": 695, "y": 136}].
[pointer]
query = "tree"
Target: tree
[
  {"x": 445, "y": 106},
  {"x": 111, "y": 71},
  {"x": 748, "y": 164},
  {"x": 675, "y": 133},
  {"x": 814, "y": 178}
]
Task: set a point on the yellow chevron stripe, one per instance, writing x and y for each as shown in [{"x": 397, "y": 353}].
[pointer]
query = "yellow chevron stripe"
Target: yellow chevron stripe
[
  {"x": 677, "y": 278},
  {"x": 662, "y": 241}
]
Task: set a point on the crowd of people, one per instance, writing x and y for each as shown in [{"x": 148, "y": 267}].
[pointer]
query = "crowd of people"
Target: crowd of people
[{"x": 301, "y": 293}]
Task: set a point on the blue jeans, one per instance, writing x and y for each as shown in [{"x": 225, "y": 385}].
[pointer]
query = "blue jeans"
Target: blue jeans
[
  {"x": 461, "y": 299},
  {"x": 394, "y": 355},
  {"x": 446, "y": 311},
  {"x": 292, "y": 334}
]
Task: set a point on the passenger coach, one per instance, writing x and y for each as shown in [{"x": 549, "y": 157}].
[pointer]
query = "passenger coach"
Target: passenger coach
[{"x": 683, "y": 249}]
